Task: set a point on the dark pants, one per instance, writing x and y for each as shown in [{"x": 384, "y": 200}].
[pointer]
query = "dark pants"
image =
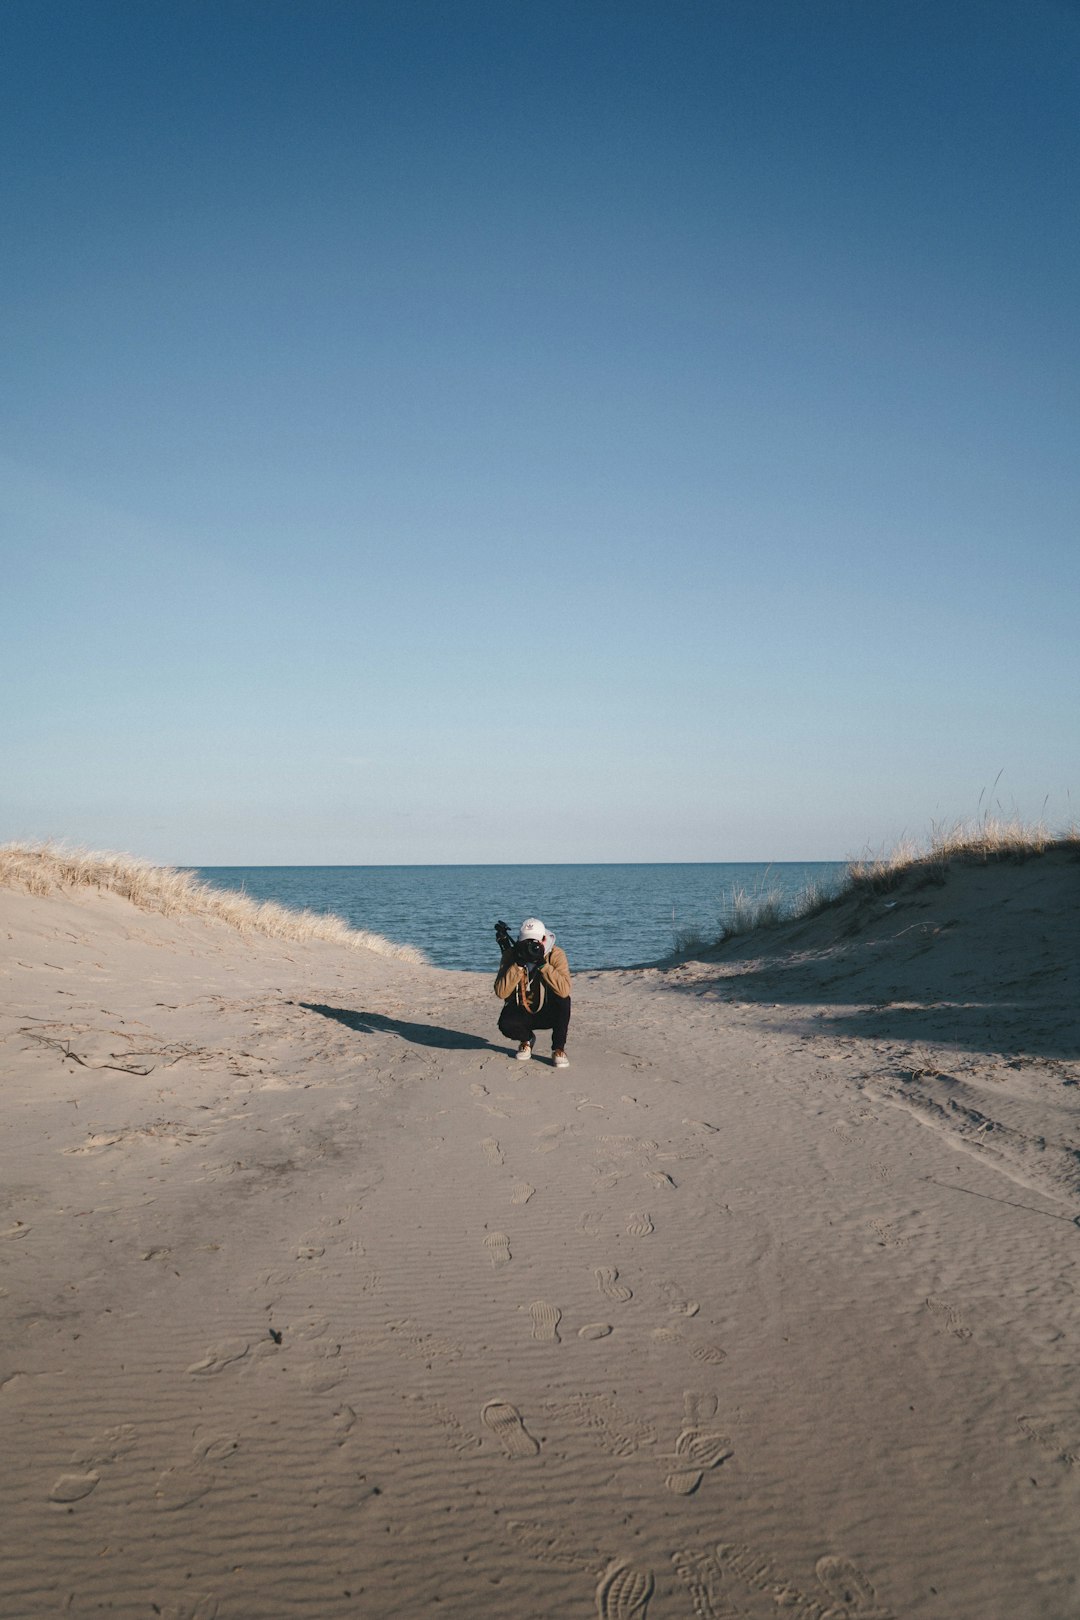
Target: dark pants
[{"x": 519, "y": 1025}]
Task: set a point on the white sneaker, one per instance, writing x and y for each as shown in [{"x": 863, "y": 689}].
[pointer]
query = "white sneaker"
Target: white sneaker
[
  {"x": 560, "y": 1060},
  {"x": 524, "y": 1052}
]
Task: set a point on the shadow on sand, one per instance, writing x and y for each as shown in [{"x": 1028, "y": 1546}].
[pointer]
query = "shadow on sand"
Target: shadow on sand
[
  {"x": 365, "y": 1023},
  {"x": 876, "y": 996}
]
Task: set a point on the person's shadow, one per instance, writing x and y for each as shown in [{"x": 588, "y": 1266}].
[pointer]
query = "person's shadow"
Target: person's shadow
[{"x": 366, "y": 1023}]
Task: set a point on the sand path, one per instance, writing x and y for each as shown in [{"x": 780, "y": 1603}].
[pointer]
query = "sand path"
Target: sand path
[{"x": 317, "y": 1303}]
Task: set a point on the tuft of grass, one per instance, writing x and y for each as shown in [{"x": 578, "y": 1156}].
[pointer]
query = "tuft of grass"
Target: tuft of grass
[
  {"x": 749, "y": 912},
  {"x": 45, "y": 868}
]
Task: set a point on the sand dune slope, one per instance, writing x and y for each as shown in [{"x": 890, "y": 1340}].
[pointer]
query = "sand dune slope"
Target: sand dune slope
[{"x": 316, "y": 1303}]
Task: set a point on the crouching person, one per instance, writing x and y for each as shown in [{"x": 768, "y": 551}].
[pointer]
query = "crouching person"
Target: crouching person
[{"x": 534, "y": 983}]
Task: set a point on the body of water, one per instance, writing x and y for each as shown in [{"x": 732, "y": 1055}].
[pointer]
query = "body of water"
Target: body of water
[{"x": 613, "y": 915}]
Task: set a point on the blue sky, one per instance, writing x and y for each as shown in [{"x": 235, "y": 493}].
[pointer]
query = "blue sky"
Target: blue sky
[{"x": 578, "y": 431}]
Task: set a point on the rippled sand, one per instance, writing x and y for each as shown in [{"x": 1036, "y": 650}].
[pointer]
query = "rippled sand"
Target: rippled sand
[{"x": 316, "y": 1303}]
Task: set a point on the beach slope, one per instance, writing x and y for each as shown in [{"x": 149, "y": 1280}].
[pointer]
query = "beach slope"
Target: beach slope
[{"x": 316, "y": 1303}]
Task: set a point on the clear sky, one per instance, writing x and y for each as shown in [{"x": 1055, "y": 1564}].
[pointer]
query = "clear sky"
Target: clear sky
[{"x": 553, "y": 430}]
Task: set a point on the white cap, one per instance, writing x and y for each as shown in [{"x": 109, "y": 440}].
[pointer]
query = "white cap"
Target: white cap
[{"x": 533, "y": 928}]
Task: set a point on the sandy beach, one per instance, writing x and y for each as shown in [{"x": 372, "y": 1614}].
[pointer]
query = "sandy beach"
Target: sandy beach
[{"x": 316, "y": 1303}]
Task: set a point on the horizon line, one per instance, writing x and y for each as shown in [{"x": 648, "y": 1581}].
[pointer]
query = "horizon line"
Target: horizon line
[{"x": 349, "y": 866}]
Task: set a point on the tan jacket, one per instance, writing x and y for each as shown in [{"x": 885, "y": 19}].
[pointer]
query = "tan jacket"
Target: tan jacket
[{"x": 512, "y": 977}]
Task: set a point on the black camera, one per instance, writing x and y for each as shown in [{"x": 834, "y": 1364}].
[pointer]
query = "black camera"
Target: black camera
[{"x": 526, "y": 952}]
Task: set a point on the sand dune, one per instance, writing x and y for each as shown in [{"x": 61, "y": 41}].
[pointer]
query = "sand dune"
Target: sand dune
[{"x": 314, "y": 1303}]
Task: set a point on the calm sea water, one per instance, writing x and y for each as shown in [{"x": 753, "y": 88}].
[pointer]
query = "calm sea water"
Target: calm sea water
[{"x": 603, "y": 916}]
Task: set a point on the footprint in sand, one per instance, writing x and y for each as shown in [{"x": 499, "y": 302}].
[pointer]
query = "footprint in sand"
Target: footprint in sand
[
  {"x": 710, "y": 1355},
  {"x": 639, "y": 1225},
  {"x": 73, "y": 1487},
  {"x": 619, "y": 1143},
  {"x": 549, "y": 1546},
  {"x": 624, "y": 1592},
  {"x": 545, "y": 1321},
  {"x": 1046, "y": 1434},
  {"x": 551, "y": 1136},
  {"x": 497, "y": 1245},
  {"x": 684, "y": 1153},
  {"x": 847, "y": 1585},
  {"x": 701, "y": 1449},
  {"x": 698, "y": 1409},
  {"x": 454, "y": 1432},
  {"x": 477, "y": 1090},
  {"x": 416, "y": 1344},
  {"x": 595, "y": 1330},
  {"x": 948, "y": 1318},
  {"x": 344, "y": 1423},
  {"x": 323, "y": 1376},
  {"x": 523, "y": 1191},
  {"x": 701, "y": 1575},
  {"x": 221, "y": 1356},
  {"x": 106, "y": 1448},
  {"x": 703, "y": 1350},
  {"x": 179, "y": 1487},
  {"x": 673, "y": 1297},
  {"x": 614, "y": 1430},
  {"x": 696, "y": 1451},
  {"x": 491, "y": 1150},
  {"x": 506, "y": 1424},
  {"x": 609, "y": 1286},
  {"x": 886, "y": 1236},
  {"x": 852, "y": 1593},
  {"x": 661, "y": 1179}
]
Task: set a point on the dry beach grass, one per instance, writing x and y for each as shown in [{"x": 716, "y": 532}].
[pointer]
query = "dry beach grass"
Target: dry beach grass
[
  {"x": 45, "y": 868},
  {"x": 315, "y": 1303},
  {"x": 982, "y": 840}
]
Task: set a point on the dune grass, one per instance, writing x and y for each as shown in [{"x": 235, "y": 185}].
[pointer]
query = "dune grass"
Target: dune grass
[
  {"x": 46, "y": 868},
  {"x": 982, "y": 841},
  {"x": 977, "y": 842},
  {"x": 747, "y": 912}
]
